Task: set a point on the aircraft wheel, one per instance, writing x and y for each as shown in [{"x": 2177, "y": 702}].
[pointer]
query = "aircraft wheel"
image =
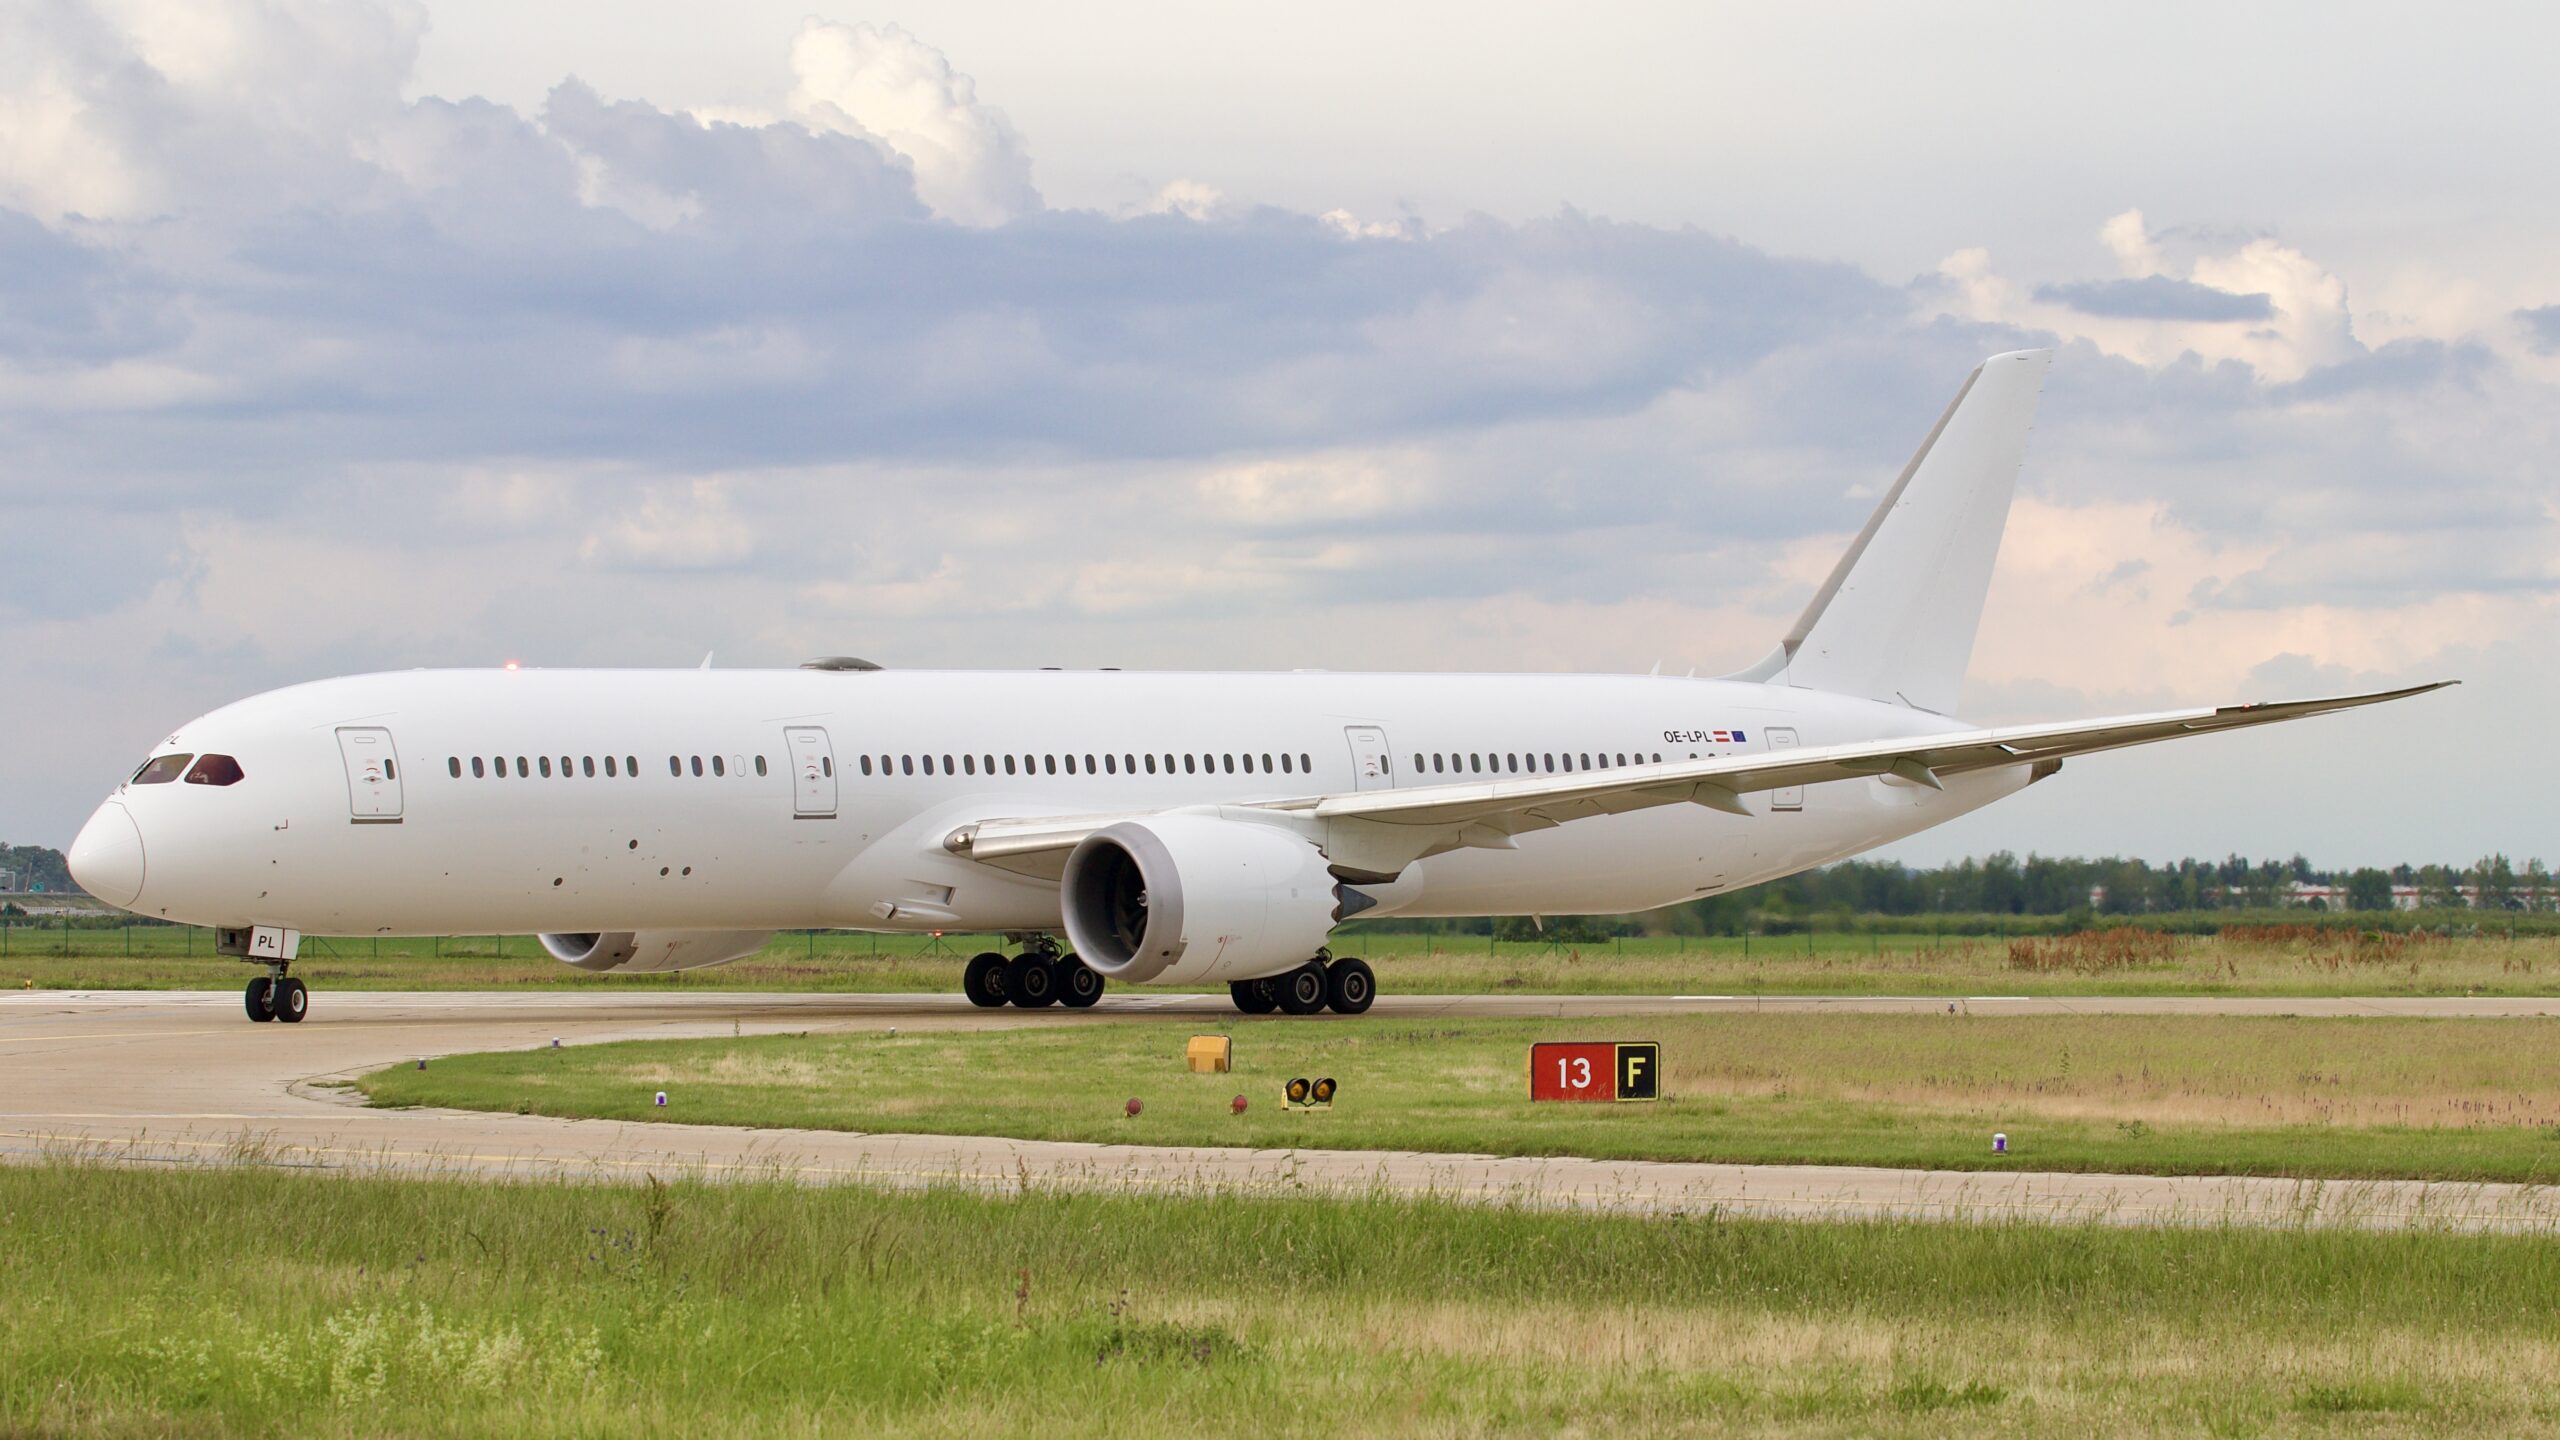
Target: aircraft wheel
[
  {"x": 1349, "y": 986},
  {"x": 261, "y": 999},
  {"x": 1255, "y": 997},
  {"x": 292, "y": 1000},
  {"x": 1302, "y": 990},
  {"x": 983, "y": 981},
  {"x": 1030, "y": 982},
  {"x": 1079, "y": 984}
]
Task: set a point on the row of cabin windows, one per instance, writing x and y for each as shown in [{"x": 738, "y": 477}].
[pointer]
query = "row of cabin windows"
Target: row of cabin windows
[
  {"x": 1184, "y": 764},
  {"x": 1436, "y": 763},
  {"x": 1518, "y": 764},
  {"x": 573, "y": 766}
]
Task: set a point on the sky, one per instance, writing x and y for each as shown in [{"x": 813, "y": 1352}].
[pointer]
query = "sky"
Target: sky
[{"x": 379, "y": 334}]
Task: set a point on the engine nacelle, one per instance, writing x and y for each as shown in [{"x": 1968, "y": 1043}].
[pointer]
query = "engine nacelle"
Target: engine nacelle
[
  {"x": 652, "y": 952},
  {"x": 1191, "y": 898}
]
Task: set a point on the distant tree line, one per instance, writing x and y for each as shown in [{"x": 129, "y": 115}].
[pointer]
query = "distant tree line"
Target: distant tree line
[
  {"x": 37, "y": 867},
  {"x": 2078, "y": 890}
]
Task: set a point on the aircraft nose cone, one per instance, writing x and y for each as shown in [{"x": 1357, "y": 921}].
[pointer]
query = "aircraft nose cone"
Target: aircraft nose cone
[{"x": 107, "y": 857}]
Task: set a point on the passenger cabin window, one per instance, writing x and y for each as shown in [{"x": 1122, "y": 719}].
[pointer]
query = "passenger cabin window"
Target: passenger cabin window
[
  {"x": 717, "y": 768},
  {"x": 223, "y": 770},
  {"x": 546, "y": 767},
  {"x": 759, "y": 764},
  {"x": 630, "y": 766},
  {"x": 827, "y": 766},
  {"x": 675, "y": 766},
  {"x": 697, "y": 767},
  {"x": 524, "y": 771},
  {"x": 478, "y": 771},
  {"x": 453, "y": 766}
]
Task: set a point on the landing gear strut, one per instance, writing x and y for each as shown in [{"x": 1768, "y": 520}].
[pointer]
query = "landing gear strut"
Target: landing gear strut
[{"x": 277, "y": 996}]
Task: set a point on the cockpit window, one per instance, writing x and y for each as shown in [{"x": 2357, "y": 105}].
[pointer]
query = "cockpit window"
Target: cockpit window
[
  {"x": 215, "y": 770},
  {"x": 161, "y": 769}
]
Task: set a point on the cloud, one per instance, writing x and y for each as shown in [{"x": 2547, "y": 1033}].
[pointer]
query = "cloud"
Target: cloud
[
  {"x": 2258, "y": 301},
  {"x": 2156, "y": 297},
  {"x": 2543, "y": 323},
  {"x": 880, "y": 81},
  {"x": 304, "y": 374}
]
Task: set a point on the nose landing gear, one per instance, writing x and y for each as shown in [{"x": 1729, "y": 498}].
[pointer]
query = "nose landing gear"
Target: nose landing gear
[{"x": 277, "y": 996}]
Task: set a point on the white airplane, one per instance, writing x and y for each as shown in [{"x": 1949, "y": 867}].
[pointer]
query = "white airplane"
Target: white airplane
[{"x": 1176, "y": 828}]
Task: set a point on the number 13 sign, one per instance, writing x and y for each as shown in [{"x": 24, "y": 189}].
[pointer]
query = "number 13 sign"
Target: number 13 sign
[{"x": 1595, "y": 1070}]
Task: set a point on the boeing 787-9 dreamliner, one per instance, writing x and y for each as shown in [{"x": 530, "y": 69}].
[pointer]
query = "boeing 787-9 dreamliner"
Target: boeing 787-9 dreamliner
[{"x": 1145, "y": 828}]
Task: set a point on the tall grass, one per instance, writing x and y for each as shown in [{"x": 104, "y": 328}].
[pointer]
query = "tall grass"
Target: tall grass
[{"x": 255, "y": 1302}]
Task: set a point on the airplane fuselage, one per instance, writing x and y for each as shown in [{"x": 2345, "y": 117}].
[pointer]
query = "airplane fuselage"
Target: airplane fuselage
[{"x": 521, "y": 801}]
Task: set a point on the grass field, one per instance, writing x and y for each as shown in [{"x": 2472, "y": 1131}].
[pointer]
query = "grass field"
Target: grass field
[
  {"x": 2264, "y": 960},
  {"x": 251, "y": 1302},
  {"x": 2355, "y": 1098}
]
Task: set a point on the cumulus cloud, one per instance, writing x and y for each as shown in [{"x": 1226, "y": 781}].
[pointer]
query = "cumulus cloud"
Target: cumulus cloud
[
  {"x": 880, "y": 81},
  {"x": 2155, "y": 297},
  {"x": 2259, "y": 301}
]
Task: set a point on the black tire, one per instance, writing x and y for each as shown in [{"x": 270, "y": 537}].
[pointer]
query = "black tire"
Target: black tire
[
  {"x": 1349, "y": 986},
  {"x": 1255, "y": 997},
  {"x": 983, "y": 981},
  {"x": 1031, "y": 982},
  {"x": 261, "y": 999},
  {"x": 1302, "y": 990},
  {"x": 293, "y": 1000},
  {"x": 1079, "y": 984}
]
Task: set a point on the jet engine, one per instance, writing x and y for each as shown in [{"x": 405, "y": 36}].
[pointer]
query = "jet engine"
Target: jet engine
[
  {"x": 649, "y": 952},
  {"x": 1190, "y": 898}
]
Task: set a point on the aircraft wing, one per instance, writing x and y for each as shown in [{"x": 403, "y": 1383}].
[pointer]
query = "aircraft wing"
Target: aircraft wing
[{"x": 1436, "y": 818}]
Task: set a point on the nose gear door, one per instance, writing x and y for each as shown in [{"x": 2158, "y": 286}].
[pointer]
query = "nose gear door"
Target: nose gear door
[{"x": 373, "y": 774}]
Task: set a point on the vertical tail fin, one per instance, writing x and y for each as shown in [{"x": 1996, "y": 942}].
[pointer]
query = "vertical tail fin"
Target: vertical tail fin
[{"x": 1896, "y": 620}]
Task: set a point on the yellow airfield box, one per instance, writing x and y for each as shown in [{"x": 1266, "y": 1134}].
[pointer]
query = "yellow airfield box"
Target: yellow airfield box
[{"x": 1210, "y": 1055}]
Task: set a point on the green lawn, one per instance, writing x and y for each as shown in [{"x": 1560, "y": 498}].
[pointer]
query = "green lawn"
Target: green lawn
[
  {"x": 2355, "y": 1098},
  {"x": 253, "y": 1302},
  {"x": 2113, "y": 963}
]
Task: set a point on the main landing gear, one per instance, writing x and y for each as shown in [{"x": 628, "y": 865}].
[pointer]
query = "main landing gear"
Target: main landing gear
[
  {"x": 1346, "y": 986},
  {"x": 277, "y": 996},
  {"x": 1037, "y": 977}
]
